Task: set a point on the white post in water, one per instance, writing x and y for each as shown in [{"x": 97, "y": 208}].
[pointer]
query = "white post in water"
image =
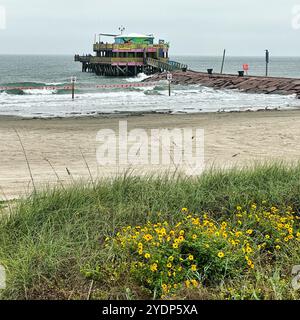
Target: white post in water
[
  {"x": 169, "y": 78},
  {"x": 73, "y": 81},
  {"x": 2, "y": 278}
]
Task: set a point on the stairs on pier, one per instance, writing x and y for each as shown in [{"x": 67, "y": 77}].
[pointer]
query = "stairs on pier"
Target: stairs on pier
[{"x": 166, "y": 66}]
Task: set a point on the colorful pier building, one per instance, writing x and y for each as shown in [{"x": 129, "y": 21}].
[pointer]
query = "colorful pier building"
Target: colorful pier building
[{"x": 129, "y": 55}]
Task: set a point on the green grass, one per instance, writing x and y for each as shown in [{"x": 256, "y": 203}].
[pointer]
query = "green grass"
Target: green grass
[{"x": 50, "y": 236}]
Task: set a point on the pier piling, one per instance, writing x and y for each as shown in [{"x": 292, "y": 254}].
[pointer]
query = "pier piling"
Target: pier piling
[{"x": 223, "y": 61}]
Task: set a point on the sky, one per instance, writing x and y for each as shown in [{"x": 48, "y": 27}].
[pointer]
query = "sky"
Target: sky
[{"x": 193, "y": 27}]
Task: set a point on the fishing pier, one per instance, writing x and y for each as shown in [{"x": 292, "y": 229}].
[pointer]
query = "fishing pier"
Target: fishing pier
[{"x": 128, "y": 56}]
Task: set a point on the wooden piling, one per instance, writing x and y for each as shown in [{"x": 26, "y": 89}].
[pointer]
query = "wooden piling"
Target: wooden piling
[{"x": 223, "y": 61}]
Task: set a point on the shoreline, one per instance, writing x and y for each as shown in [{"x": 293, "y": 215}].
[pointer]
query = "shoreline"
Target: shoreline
[
  {"x": 53, "y": 146},
  {"x": 149, "y": 113}
]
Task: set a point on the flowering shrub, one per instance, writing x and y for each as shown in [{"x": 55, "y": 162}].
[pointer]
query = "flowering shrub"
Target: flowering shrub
[{"x": 200, "y": 251}]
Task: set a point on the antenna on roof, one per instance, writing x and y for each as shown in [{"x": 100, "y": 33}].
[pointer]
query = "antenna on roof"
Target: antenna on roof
[{"x": 122, "y": 29}]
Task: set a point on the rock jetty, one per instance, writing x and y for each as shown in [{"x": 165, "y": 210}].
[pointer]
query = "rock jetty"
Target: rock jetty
[{"x": 251, "y": 84}]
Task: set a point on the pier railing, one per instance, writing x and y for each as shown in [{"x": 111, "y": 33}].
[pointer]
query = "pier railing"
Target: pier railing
[
  {"x": 86, "y": 58},
  {"x": 166, "y": 65},
  {"x": 127, "y": 46},
  {"x": 110, "y": 60},
  {"x": 107, "y": 60}
]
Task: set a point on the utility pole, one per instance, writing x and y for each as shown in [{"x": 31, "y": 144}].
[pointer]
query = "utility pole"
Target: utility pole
[
  {"x": 223, "y": 61},
  {"x": 267, "y": 62}
]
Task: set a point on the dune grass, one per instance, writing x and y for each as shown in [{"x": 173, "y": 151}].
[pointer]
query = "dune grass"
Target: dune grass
[{"x": 50, "y": 237}]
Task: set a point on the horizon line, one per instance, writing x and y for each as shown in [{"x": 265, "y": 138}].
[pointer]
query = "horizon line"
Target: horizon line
[{"x": 174, "y": 55}]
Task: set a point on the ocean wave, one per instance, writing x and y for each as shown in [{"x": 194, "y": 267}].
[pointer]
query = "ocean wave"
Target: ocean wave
[
  {"x": 139, "y": 78},
  {"x": 39, "y": 91},
  {"x": 56, "y": 83},
  {"x": 152, "y": 93},
  {"x": 190, "y": 99},
  {"x": 24, "y": 84},
  {"x": 17, "y": 92}
]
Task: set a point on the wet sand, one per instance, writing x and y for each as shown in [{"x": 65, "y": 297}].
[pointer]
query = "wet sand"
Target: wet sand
[{"x": 54, "y": 146}]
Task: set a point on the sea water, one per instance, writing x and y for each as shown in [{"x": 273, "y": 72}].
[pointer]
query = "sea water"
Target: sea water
[{"x": 36, "y": 71}]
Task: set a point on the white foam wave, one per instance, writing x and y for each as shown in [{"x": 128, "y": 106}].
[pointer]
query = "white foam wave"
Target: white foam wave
[
  {"x": 39, "y": 92},
  {"x": 189, "y": 99},
  {"x": 139, "y": 78},
  {"x": 54, "y": 83}
]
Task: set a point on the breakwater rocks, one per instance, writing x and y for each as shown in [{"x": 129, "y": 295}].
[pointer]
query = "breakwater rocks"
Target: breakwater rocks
[{"x": 267, "y": 85}]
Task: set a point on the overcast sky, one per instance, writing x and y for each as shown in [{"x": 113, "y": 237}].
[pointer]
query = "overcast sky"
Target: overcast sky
[{"x": 195, "y": 27}]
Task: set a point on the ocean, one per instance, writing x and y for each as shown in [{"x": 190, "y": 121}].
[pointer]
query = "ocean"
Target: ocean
[{"x": 35, "y": 71}]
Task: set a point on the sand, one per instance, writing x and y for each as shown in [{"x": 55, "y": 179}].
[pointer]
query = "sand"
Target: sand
[{"x": 53, "y": 145}]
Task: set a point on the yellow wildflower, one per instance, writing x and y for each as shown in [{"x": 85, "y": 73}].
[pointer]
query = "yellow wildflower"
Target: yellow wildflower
[
  {"x": 221, "y": 254},
  {"x": 164, "y": 287},
  {"x": 249, "y": 250},
  {"x": 195, "y": 283},
  {"x": 194, "y": 267},
  {"x": 153, "y": 267},
  {"x": 148, "y": 237}
]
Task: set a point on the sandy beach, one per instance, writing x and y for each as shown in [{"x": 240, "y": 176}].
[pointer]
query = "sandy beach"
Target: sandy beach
[{"x": 54, "y": 147}]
